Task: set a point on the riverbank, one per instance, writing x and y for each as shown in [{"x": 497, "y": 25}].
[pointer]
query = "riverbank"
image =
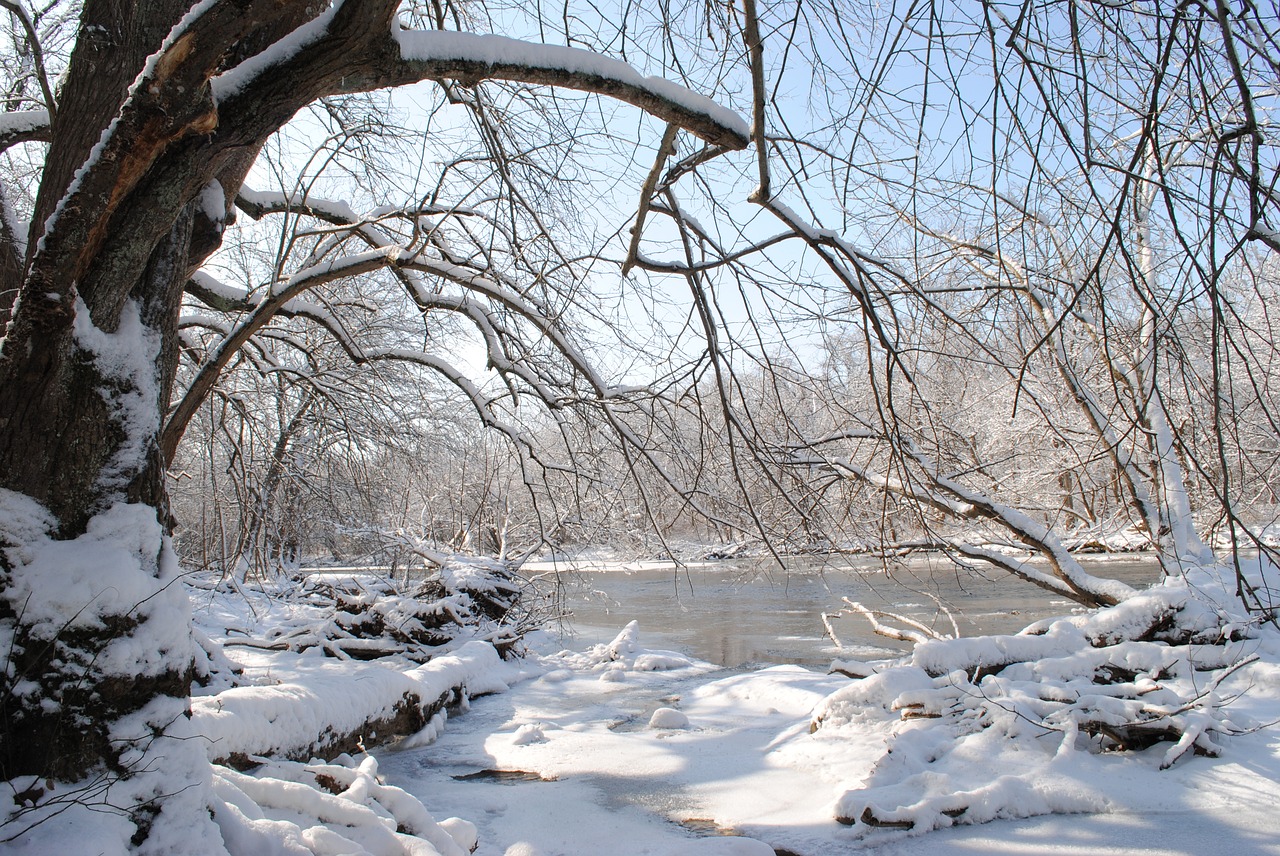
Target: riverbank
[
  {"x": 565, "y": 756},
  {"x": 587, "y": 773},
  {"x": 629, "y": 746}
]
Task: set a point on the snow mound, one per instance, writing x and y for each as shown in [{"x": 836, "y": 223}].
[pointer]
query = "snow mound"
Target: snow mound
[
  {"x": 528, "y": 733},
  {"x": 298, "y": 718},
  {"x": 1012, "y": 726},
  {"x": 668, "y": 717},
  {"x": 292, "y": 808}
]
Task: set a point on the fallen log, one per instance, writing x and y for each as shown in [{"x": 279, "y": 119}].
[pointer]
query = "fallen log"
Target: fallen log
[{"x": 331, "y": 711}]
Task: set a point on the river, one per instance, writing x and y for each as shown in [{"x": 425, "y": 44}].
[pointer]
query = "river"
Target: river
[
  {"x": 740, "y": 614},
  {"x": 582, "y": 773}
]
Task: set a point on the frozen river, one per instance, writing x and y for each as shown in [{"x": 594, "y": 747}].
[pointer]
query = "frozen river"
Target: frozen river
[{"x": 740, "y": 614}]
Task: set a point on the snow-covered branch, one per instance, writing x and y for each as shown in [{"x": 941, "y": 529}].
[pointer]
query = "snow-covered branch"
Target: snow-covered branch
[{"x": 24, "y": 126}]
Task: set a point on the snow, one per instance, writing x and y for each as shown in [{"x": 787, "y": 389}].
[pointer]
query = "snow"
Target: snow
[
  {"x": 335, "y": 209},
  {"x": 229, "y": 84},
  {"x": 127, "y": 359},
  {"x": 218, "y": 288},
  {"x": 367, "y": 817},
  {"x": 614, "y": 660},
  {"x": 109, "y": 571},
  {"x": 474, "y": 574},
  {"x": 668, "y": 717},
  {"x": 752, "y": 766},
  {"x": 530, "y": 732},
  {"x": 499, "y": 51},
  {"x": 489, "y": 50},
  {"x": 122, "y": 567},
  {"x": 290, "y": 718},
  {"x": 23, "y": 121},
  {"x": 334, "y": 269},
  {"x": 944, "y": 656},
  {"x": 669, "y": 755},
  {"x": 212, "y": 202}
]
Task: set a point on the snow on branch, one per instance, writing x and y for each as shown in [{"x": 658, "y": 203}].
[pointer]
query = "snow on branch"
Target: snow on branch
[
  {"x": 377, "y": 58},
  {"x": 24, "y": 126},
  {"x": 218, "y": 295},
  {"x": 258, "y": 204},
  {"x": 469, "y": 57},
  {"x": 926, "y": 485},
  {"x": 914, "y": 632}
]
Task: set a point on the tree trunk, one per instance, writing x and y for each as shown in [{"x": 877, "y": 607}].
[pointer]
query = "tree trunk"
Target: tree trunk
[{"x": 73, "y": 431}]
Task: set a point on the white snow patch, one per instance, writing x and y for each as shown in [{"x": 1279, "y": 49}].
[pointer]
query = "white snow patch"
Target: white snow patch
[
  {"x": 127, "y": 358},
  {"x": 122, "y": 565},
  {"x": 229, "y": 84},
  {"x": 23, "y": 121},
  {"x": 280, "y": 810},
  {"x": 531, "y": 732},
  {"x": 462, "y": 831},
  {"x": 625, "y": 653},
  {"x": 728, "y": 845},
  {"x": 212, "y": 202},
  {"x": 289, "y": 718},
  {"x": 427, "y": 734}
]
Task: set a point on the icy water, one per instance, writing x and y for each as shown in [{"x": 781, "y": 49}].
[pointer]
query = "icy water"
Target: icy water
[{"x": 742, "y": 614}]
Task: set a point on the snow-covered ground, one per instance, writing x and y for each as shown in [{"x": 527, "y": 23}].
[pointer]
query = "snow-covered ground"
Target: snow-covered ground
[
  {"x": 602, "y": 779},
  {"x": 619, "y": 749}
]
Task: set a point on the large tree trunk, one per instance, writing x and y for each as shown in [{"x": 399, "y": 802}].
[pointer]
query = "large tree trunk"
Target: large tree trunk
[
  {"x": 86, "y": 370},
  {"x": 77, "y": 428},
  {"x": 49, "y": 388}
]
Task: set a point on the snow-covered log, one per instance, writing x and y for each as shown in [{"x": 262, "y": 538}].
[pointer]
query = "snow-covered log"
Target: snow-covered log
[
  {"x": 367, "y": 617},
  {"x": 353, "y": 810},
  {"x": 331, "y": 712}
]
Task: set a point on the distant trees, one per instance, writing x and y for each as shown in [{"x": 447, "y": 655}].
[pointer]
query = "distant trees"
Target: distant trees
[{"x": 1056, "y": 255}]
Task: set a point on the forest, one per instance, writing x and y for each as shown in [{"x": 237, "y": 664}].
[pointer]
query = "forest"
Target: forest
[{"x": 444, "y": 291}]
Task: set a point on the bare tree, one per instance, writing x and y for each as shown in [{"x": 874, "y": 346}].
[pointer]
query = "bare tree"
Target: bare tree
[{"x": 1060, "y": 199}]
